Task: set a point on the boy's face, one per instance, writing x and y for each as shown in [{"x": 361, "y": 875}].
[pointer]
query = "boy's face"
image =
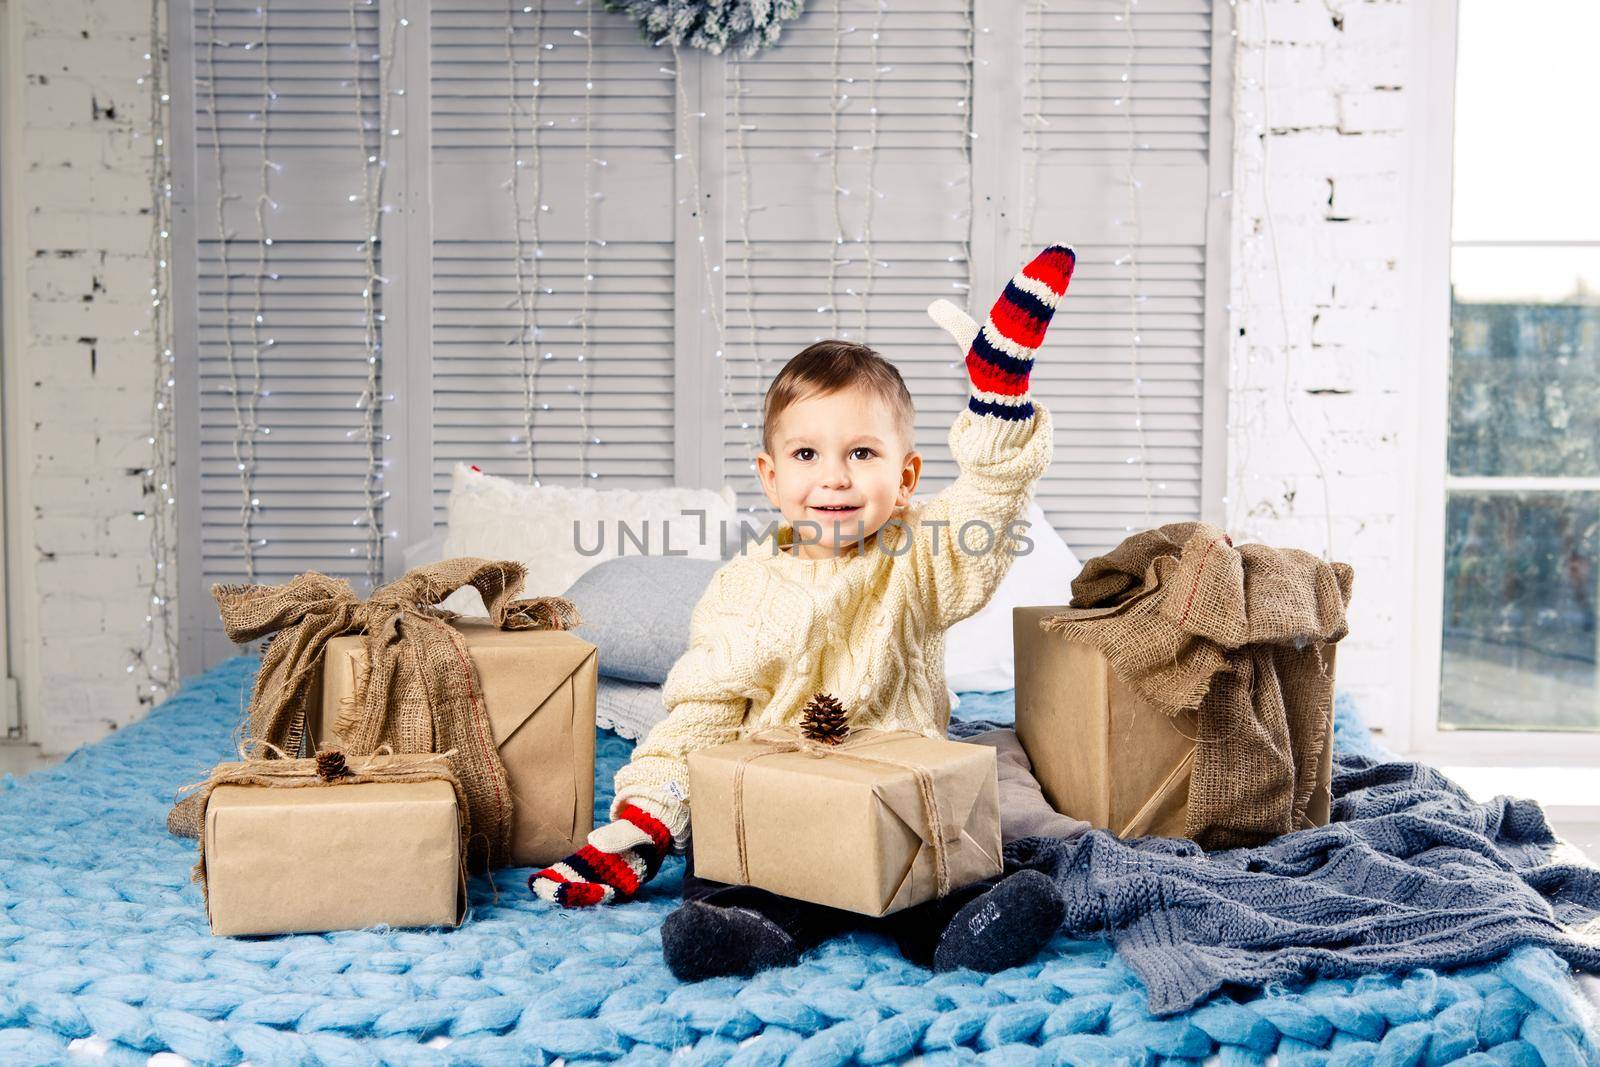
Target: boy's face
[{"x": 839, "y": 462}]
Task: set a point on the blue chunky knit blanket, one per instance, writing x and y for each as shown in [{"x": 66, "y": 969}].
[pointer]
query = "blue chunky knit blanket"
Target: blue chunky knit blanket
[{"x": 105, "y": 957}]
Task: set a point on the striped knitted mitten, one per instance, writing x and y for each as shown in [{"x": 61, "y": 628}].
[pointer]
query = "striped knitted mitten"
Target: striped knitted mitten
[
  {"x": 619, "y": 858},
  {"x": 1000, "y": 354}
]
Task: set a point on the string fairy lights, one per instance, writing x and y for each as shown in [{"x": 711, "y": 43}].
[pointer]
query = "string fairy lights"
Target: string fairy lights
[
  {"x": 263, "y": 201},
  {"x": 836, "y": 103},
  {"x": 244, "y": 402},
  {"x": 531, "y": 276},
  {"x": 711, "y": 310},
  {"x": 747, "y": 423},
  {"x": 839, "y": 99},
  {"x": 1130, "y": 256},
  {"x": 527, "y": 297},
  {"x": 590, "y": 196},
  {"x": 155, "y": 661},
  {"x": 967, "y": 138},
  {"x": 873, "y": 196},
  {"x": 374, "y": 164},
  {"x": 1037, "y": 122}
]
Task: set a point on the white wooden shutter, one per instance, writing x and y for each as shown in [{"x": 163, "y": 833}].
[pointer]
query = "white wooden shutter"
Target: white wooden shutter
[
  {"x": 1075, "y": 55},
  {"x": 778, "y": 140},
  {"x": 310, "y": 467},
  {"x": 477, "y": 370}
]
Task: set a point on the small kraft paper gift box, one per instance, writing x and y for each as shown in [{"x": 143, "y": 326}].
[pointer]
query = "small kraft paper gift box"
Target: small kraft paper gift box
[
  {"x": 1099, "y": 750},
  {"x": 875, "y": 823},
  {"x": 285, "y": 851},
  {"x": 537, "y": 691}
]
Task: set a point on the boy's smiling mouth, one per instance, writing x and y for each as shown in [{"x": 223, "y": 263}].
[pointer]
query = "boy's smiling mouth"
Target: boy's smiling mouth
[{"x": 836, "y": 509}]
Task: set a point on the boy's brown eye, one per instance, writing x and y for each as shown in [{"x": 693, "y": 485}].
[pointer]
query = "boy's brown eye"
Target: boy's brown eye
[
  {"x": 868, "y": 451},
  {"x": 798, "y": 453}
]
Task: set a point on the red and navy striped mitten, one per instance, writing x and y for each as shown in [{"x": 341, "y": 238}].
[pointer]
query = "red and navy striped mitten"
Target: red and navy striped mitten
[
  {"x": 1000, "y": 354},
  {"x": 620, "y": 857}
]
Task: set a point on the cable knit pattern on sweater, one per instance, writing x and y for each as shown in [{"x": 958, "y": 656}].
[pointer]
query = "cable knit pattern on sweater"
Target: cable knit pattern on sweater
[{"x": 867, "y": 626}]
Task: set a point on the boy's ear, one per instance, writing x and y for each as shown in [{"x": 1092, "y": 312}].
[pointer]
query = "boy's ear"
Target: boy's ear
[
  {"x": 767, "y": 470},
  {"x": 955, "y": 322},
  {"x": 910, "y": 473}
]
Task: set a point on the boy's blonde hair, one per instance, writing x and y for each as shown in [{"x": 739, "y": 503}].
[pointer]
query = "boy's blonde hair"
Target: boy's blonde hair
[{"x": 828, "y": 366}]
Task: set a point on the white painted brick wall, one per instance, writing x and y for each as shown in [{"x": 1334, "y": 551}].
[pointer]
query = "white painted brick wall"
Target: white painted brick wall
[
  {"x": 1336, "y": 172},
  {"x": 84, "y": 378}
]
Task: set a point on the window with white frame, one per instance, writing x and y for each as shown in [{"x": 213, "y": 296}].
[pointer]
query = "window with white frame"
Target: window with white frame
[{"x": 1521, "y": 531}]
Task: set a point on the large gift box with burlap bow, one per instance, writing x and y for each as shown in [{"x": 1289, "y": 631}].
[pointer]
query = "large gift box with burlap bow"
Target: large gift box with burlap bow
[
  {"x": 1187, "y": 690},
  {"x": 510, "y": 697},
  {"x": 873, "y": 823}
]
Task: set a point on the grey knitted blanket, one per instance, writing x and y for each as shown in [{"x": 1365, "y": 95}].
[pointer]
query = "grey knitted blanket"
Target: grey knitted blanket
[{"x": 1410, "y": 872}]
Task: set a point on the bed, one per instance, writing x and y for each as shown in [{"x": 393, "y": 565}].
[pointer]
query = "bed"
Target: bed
[{"x": 105, "y": 957}]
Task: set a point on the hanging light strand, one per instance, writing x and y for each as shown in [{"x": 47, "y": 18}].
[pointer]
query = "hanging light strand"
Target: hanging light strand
[
  {"x": 1035, "y": 75},
  {"x": 1130, "y": 256},
  {"x": 748, "y": 424},
  {"x": 156, "y": 660},
  {"x": 589, "y": 197},
  {"x": 968, "y": 137},
  {"x": 374, "y": 163},
  {"x": 836, "y": 103},
  {"x": 244, "y": 409},
  {"x": 527, "y": 271},
  {"x": 264, "y": 203},
  {"x": 715, "y": 293},
  {"x": 872, "y": 164}
]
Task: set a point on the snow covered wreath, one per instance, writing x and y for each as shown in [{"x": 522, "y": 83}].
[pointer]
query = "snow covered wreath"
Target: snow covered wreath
[{"x": 743, "y": 27}]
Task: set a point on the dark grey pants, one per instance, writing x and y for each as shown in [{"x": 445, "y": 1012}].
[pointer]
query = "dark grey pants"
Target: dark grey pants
[{"x": 916, "y": 930}]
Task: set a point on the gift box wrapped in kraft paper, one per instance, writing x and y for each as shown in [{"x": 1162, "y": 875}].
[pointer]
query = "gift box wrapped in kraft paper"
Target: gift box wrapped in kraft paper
[
  {"x": 875, "y": 823},
  {"x": 285, "y": 850},
  {"x": 510, "y": 696},
  {"x": 1187, "y": 690},
  {"x": 537, "y": 690}
]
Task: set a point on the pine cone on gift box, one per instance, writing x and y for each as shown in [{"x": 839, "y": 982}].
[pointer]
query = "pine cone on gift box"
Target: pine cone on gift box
[
  {"x": 824, "y": 720},
  {"x": 331, "y": 765}
]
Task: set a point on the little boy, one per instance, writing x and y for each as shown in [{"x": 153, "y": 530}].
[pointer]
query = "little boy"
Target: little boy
[{"x": 852, "y": 599}]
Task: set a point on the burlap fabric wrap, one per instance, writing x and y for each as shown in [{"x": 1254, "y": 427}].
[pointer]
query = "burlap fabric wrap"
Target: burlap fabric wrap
[
  {"x": 420, "y": 692},
  {"x": 302, "y": 774},
  {"x": 777, "y": 739},
  {"x": 1235, "y": 634}
]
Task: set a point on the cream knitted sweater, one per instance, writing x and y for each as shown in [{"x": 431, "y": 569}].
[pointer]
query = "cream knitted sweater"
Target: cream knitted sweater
[{"x": 867, "y": 626}]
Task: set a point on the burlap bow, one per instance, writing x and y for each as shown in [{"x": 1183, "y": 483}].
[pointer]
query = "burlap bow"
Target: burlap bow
[
  {"x": 777, "y": 740},
  {"x": 419, "y": 693},
  {"x": 1236, "y": 635}
]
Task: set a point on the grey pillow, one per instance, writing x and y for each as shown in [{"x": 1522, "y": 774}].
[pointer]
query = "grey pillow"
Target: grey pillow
[{"x": 636, "y": 612}]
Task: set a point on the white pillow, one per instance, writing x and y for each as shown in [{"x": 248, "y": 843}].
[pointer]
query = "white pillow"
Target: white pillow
[
  {"x": 978, "y": 653},
  {"x": 498, "y": 518}
]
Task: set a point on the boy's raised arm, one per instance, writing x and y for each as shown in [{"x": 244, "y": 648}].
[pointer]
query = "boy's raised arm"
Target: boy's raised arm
[{"x": 1001, "y": 441}]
